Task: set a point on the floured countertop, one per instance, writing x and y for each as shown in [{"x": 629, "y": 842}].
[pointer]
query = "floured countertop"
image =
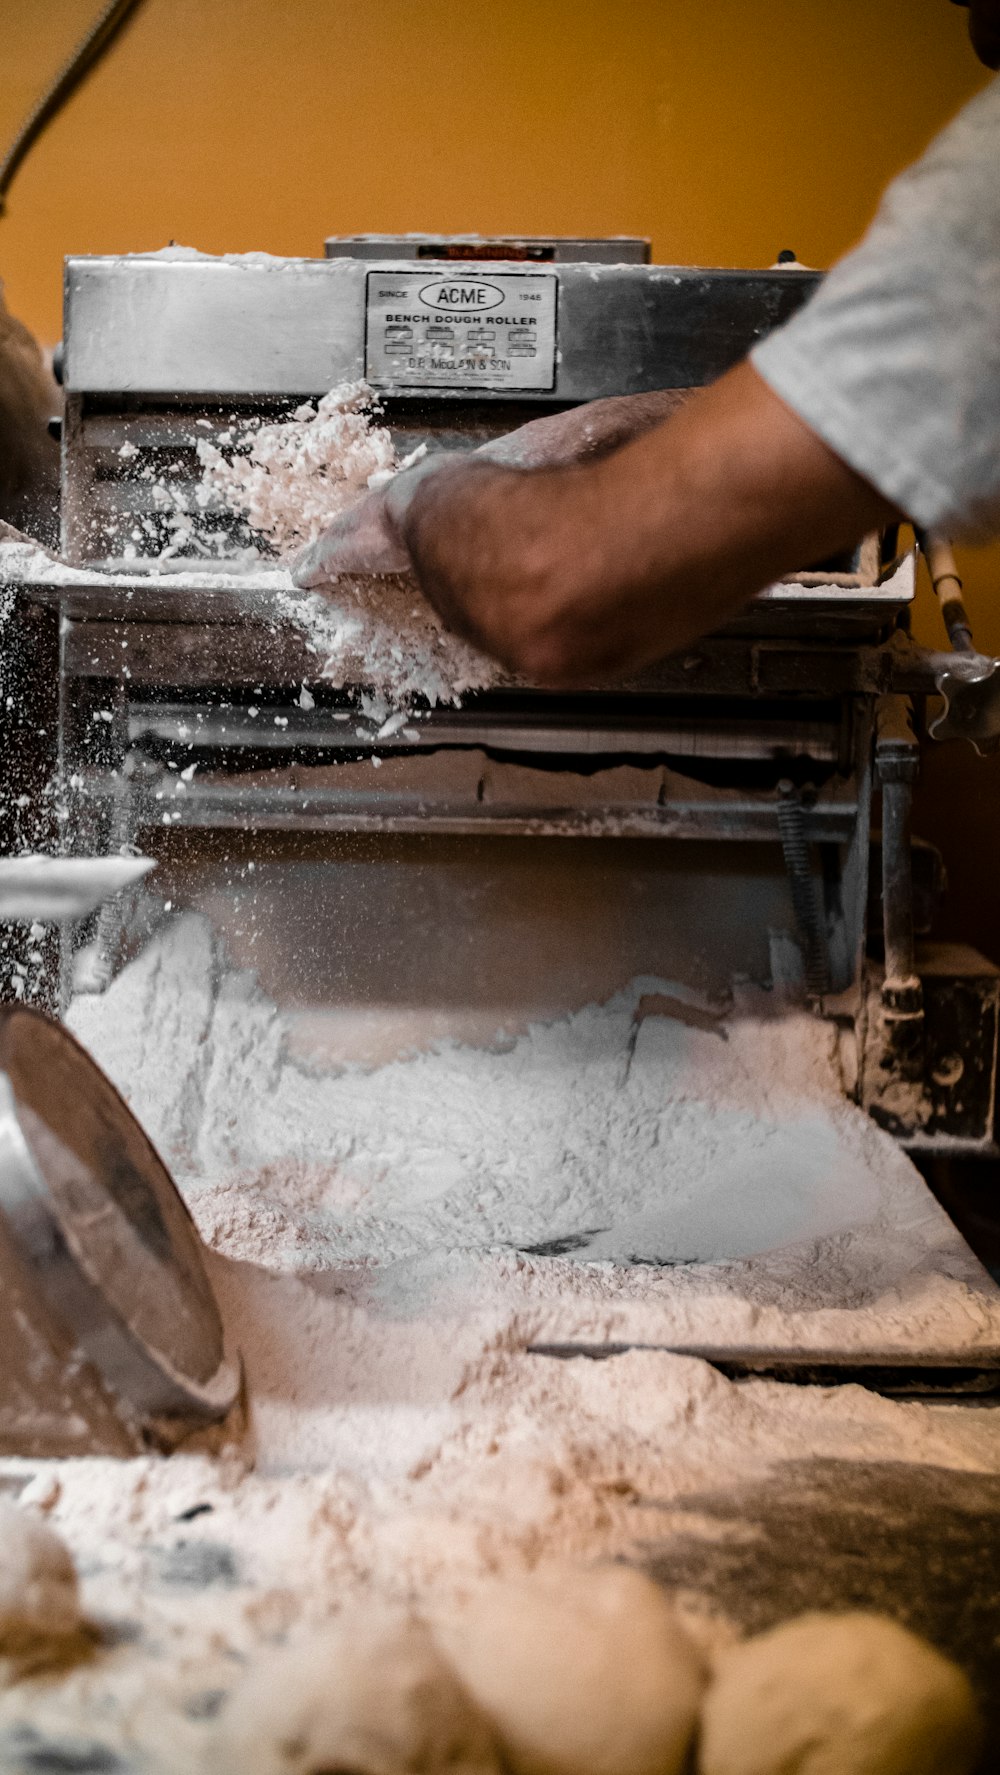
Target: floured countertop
[{"x": 377, "y": 1232}]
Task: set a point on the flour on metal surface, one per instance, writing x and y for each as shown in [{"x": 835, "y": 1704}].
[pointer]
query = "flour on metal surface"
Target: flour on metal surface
[{"x": 387, "y": 1252}]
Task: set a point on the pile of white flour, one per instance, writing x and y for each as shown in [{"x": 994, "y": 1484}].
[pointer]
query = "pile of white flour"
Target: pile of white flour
[
  {"x": 372, "y": 1230},
  {"x": 717, "y": 1176}
]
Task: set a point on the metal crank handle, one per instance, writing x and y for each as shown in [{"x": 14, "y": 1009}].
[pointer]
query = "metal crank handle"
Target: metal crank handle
[
  {"x": 968, "y": 681},
  {"x": 970, "y": 686}
]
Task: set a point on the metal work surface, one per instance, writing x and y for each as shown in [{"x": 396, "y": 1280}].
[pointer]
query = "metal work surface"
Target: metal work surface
[
  {"x": 918, "y": 1543},
  {"x": 818, "y": 606},
  {"x": 60, "y": 888}
]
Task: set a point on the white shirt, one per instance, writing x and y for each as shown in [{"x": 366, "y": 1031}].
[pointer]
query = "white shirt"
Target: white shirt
[{"x": 895, "y": 362}]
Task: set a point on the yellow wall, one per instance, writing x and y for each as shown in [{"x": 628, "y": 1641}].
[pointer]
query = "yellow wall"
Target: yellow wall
[{"x": 726, "y": 131}]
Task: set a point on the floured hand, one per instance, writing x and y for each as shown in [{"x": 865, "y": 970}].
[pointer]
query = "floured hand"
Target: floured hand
[
  {"x": 369, "y": 538},
  {"x": 362, "y": 540}
]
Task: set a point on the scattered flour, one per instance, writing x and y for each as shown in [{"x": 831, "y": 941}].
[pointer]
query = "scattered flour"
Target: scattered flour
[
  {"x": 291, "y": 479},
  {"x": 384, "y": 635},
  {"x": 288, "y": 480}
]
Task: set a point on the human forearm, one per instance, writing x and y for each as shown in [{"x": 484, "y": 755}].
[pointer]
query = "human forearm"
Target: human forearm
[
  {"x": 583, "y": 433},
  {"x": 367, "y": 538},
  {"x": 597, "y": 569}
]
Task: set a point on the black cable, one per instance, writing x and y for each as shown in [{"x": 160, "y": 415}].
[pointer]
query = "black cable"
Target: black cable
[
  {"x": 83, "y": 60},
  {"x": 805, "y": 902}
]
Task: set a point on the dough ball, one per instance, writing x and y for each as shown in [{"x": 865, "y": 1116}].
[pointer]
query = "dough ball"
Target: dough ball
[
  {"x": 838, "y": 1695},
  {"x": 583, "y": 1672},
  {"x": 368, "y": 1697},
  {"x": 39, "y": 1598}
]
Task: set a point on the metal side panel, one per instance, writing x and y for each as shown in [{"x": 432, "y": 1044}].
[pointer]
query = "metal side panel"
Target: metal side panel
[
  {"x": 250, "y": 325},
  {"x": 614, "y": 249},
  {"x": 254, "y": 325},
  {"x": 630, "y": 330}
]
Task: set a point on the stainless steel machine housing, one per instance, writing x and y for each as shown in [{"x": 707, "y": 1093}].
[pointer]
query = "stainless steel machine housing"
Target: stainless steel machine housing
[{"x": 759, "y": 746}]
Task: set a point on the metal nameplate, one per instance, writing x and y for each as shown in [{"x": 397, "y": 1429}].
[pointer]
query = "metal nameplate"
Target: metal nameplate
[{"x": 468, "y": 329}]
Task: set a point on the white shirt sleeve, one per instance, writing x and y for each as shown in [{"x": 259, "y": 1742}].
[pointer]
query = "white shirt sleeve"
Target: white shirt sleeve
[{"x": 895, "y": 362}]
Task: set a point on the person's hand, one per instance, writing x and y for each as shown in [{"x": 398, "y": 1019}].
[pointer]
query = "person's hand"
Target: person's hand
[
  {"x": 368, "y": 538},
  {"x": 361, "y": 540}
]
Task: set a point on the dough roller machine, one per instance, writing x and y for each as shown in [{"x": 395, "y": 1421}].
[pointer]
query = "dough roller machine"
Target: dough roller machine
[{"x": 728, "y": 793}]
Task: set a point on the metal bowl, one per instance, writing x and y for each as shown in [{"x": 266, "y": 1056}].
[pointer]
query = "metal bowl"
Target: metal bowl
[{"x": 97, "y": 1220}]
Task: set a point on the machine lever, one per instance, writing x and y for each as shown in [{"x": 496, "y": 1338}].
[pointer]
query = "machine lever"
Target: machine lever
[
  {"x": 965, "y": 678},
  {"x": 947, "y": 583}
]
